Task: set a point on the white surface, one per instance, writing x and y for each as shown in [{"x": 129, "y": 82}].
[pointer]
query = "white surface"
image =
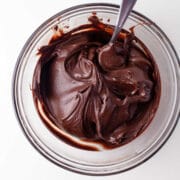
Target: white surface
[{"x": 18, "y": 159}]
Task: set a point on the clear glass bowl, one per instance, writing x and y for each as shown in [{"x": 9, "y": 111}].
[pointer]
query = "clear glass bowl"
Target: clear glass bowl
[{"x": 108, "y": 161}]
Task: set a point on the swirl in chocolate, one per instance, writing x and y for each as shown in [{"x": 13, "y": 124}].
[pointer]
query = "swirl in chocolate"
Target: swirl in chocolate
[{"x": 108, "y": 98}]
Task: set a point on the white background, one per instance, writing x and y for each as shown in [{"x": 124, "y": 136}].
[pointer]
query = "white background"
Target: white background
[{"x": 18, "y": 159}]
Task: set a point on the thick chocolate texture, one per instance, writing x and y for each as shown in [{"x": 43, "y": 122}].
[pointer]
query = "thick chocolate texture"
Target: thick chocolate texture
[{"x": 98, "y": 92}]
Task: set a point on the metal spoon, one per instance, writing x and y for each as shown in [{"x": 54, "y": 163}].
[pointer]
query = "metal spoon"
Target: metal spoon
[
  {"x": 124, "y": 11},
  {"x": 107, "y": 50}
]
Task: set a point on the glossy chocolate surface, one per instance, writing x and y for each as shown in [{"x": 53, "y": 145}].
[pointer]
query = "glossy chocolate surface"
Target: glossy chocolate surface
[{"x": 98, "y": 92}]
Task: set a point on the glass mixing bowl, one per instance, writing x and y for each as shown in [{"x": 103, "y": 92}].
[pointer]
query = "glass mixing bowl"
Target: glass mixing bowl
[{"x": 107, "y": 161}]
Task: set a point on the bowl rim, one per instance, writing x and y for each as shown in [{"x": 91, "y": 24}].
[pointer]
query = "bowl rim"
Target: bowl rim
[{"x": 14, "y": 82}]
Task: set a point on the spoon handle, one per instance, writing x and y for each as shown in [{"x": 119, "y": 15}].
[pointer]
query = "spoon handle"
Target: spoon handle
[{"x": 124, "y": 11}]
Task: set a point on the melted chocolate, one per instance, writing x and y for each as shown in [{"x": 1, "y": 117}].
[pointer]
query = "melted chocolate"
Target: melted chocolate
[{"x": 106, "y": 94}]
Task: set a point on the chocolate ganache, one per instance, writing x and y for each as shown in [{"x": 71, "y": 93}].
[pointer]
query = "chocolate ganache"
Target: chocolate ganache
[{"x": 106, "y": 98}]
